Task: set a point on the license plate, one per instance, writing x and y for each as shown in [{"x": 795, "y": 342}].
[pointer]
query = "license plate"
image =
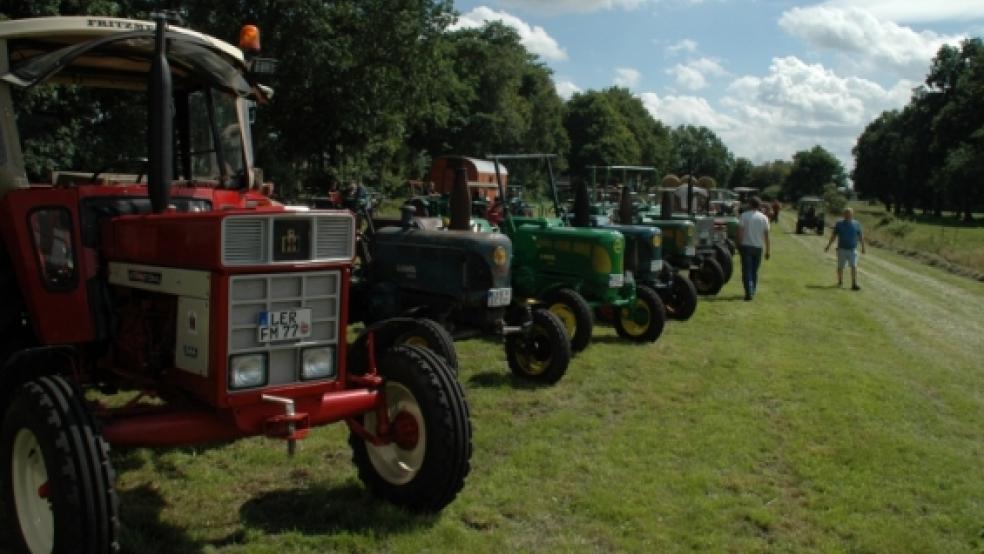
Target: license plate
[
  {"x": 655, "y": 266},
  {"x": 499, "y": 297},
  {"x": 284, "y": 325},
  {"x": 690, "y": 251}
]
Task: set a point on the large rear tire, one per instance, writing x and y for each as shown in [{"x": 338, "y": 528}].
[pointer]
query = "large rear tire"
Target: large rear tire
[
  {"x": 429, "y": 334},
  {"x": 424, "y": 466},
  {"x": 575, "y": 313},
  {"x": 56, "y": 474},
  {"x": 543, "y": 354},
  {"x": 708, "y": 278},
  {"x": 644, "y": 320},
  {"x": 680, "y": 299}
]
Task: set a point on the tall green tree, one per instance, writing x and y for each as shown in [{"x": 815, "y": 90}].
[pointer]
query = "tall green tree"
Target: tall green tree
[
  {"x": 699, "y": 152},
  {"x": 811, "y": 170}
]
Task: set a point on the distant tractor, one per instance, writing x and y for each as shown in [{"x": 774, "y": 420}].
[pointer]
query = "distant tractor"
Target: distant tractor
[
  {"x": 185, "y": 307},
  {"x": 810, "y": 214},
  {"x": 416, "y": 267}
]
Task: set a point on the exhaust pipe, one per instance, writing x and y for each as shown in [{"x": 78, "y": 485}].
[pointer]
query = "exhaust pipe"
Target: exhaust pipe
[
  {"x": 460, "y": 201},
  {"x": 581, "y": 205},
  {"x": 625, "y": 207},
  {"x": 160, "y": 127}
]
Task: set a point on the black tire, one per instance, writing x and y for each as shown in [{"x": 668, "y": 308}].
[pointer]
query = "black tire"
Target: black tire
[
  {"x": 575, "y": 314},
  {"x": 799, "y": 228},
  {"x": 680, "y": 299},
  {"x": 820, "y": 229},
  {"x": 708, "y": 278},
  {"x": 47, "y": 417},
  {"x": 429, "y": 334},
  {"x": 723, "y": 258},
  {"x": 731, "y": 247},
  {"x": 544, "y": 353},
  {"x": 644, "y": 321},
  {"x": 418, "y": 380}
]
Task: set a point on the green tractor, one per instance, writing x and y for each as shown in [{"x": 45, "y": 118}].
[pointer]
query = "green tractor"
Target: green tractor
[
  {"x": 416, "y": 267},
  {"x": 650, "y": 259},
  {"x": 809, "y": 214},
  {"x": 577, "y": 271}
]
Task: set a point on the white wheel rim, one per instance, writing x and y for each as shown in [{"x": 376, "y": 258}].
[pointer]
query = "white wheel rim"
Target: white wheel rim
[
  {"x": 30, "y": 478},
  {"x": 395, "y": 464}
]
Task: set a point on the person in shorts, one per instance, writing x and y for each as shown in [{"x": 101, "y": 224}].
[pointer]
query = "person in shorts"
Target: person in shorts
[{"x": 848, "y": 233}]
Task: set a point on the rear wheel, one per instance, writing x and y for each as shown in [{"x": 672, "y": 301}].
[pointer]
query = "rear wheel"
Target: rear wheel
[
  {"x": 708, "y": 278},
  {"x": 575, "y": 313},
  {"x": 543, "y": 353},
  {"x": 643, "y": 320},
  {"x": 820, "y": 228},
  {"x": 427, "y": 333},
  {"x": 57, "y": 478},
  {"x": 799, "y": 228},
  {"x": 680, "y": 299},
  {"x": 723, "y": 258},
  {"x": 424, "y": 463}
]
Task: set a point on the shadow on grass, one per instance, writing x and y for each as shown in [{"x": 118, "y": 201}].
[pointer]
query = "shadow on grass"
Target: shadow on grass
[
  {"x": 319, "y": 509},
  {"x": 732, "y": 298},
  {"x": 823, "y": 287},
  {"x": 498, "y": 379},
  {"x": 143, "y": 528}
]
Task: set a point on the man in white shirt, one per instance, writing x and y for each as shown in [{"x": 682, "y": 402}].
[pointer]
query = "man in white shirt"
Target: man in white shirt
[{"x": 753, "y": 236}]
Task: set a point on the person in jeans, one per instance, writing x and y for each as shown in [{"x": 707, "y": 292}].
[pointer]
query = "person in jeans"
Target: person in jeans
[
  {"x": 847, "y": 231},
  {"x": 753, "y": 237}
]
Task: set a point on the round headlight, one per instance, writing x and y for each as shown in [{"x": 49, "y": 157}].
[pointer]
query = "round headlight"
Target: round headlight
[{"x": 657, "y": 240}]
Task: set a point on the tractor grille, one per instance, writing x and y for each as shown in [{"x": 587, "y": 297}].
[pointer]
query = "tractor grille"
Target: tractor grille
[
  {"x": 251, "y": 295},
  {"x": 250, "y": 240}
]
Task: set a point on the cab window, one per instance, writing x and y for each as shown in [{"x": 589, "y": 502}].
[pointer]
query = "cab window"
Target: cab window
[{"x": 52, "y": 231}]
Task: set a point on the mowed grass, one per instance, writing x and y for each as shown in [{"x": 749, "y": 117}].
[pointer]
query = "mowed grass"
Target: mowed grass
[
  {"x": 812, "y": 419},
  {"x": 952, "y": 239}
]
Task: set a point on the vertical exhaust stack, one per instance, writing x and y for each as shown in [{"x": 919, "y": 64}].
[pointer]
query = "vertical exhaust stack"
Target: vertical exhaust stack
[
  {"x": 460, "y": 201},
  {"x": 160, "y": 125},
  {"x": 581, "y": 204},
  {"x": 625, "y": 206},
  {"x": 666, "y": 205}
]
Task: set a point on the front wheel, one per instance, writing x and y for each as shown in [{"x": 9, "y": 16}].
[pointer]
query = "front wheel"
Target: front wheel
[
  {"x": 643, "y": 320},
  {"x": 543, "y": 353},
  {"x": 575, "y": 313},
  {"x": 708, "y": 278},
  {"x": 57, "y": 478},
  {"x": 422, "y": 465},
  {"x": 680, "y": 299}
]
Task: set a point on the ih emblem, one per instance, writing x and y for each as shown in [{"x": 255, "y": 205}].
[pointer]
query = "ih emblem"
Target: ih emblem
[{"x": 288, "y": 244}]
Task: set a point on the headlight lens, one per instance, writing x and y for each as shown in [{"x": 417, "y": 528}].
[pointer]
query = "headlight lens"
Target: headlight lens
[
  {"x": 317, "y": 363},
  {"x": 657, "y": 240},
  {"x": 500, "y": 256},
  {"x": 247, "y": 371}
]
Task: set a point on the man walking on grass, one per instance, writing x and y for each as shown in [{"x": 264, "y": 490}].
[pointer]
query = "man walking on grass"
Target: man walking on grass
[
  {"x": 753, "y": 236},
  {"x": 847, "y": 231}
]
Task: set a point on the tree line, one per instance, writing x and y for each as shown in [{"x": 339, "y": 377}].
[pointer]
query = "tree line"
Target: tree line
[
  {"x": 929, "y": 155},
  {"x": 372, "y": 90}
]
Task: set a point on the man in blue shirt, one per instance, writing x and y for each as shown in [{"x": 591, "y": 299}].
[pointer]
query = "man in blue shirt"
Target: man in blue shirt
[{"x": 847, "y": 231}]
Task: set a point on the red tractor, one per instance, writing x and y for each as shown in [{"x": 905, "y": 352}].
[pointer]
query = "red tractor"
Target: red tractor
[{"x": 164, "y": 300}]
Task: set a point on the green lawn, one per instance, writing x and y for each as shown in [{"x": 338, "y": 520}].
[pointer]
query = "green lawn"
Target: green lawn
[
  {"x": 951, "y": 239},
  {"x": 812, "y": 419}
]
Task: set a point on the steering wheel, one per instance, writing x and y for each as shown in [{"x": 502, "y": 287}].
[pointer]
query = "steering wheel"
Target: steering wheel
[
  {"x": 496, "y": 212},
  {"x": 122, "y": 163}
]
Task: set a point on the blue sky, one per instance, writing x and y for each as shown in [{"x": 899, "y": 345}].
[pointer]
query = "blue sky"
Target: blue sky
[{"x": 770, "y": 77}]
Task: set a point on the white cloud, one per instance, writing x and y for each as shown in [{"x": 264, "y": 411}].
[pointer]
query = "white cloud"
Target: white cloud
[
  {"x": 693, "y": 74},
  {"x": 566, "y": 89},
  {"x": 917, "y": 11},
  {"x": 793, "y": 107},
  {"x": 533, "y": 37},
  {"x": 627, "y": 77},
  {"x": 686, "y": 45},
  {"x": 867, "y": 40},
  {"x": 582, "y": 6}
]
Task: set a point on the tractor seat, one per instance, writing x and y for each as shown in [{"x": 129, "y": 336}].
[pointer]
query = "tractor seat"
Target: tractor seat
[{"x": 429, "y": 223}]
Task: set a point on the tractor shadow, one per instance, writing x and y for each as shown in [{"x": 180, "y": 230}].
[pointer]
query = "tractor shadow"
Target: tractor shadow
[
  {"x": 144, "y": 529},
  {"x": 499, "y": 379},
  {"x": 731, "y": 298},
  {"x": 321, "y": 509}
]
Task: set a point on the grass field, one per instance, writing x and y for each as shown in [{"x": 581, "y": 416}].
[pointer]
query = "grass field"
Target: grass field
[
  {"x": 812, "y": 419},
  {"x": 952, "y": 240}
]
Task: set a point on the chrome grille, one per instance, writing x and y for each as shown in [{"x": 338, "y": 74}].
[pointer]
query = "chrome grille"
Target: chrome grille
[
  {"x": 244, "y": 241},
  {"x": 333, "y": 238},
  {"x": 250, "y": 295},
  {"x": 248, "y": 240}
]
